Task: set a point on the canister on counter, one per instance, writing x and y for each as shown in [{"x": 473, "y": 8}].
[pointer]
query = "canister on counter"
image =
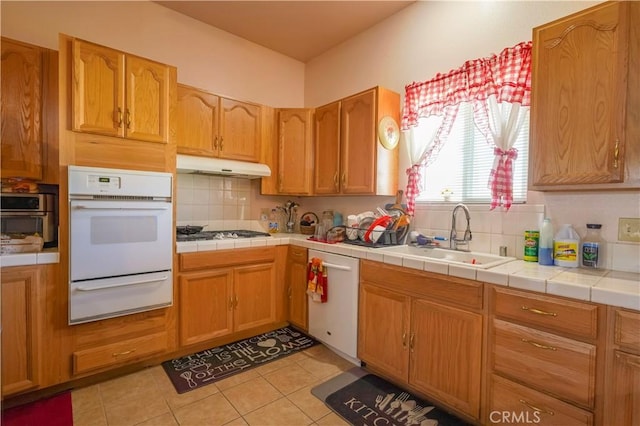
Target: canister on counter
[{"x": 531, "y": 239}]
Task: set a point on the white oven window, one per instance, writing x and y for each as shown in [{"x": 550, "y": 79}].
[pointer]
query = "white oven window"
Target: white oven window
[{"x": 124, "y": 229}]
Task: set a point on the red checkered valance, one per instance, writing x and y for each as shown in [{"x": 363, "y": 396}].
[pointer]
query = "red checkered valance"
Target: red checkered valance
[{"x": 507, "y": 76}]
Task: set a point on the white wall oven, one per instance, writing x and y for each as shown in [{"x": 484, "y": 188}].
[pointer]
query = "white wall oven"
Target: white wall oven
[{"x": 121, "y": 242}]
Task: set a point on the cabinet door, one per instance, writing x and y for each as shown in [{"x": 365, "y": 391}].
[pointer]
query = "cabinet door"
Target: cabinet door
[
  {"x": 239, "y": 131},
  {"x": 254, "y": 296},
  {"x": 297, "y": 286},
  {"x": 295, "y": 151},
  {"x": 206, "y": 305},
  {"x": 327, "y": 149},
  {"x": 446, "y": 353},
  {"x": 383, "y": 330},
  {"x": 147, "y": 110},
  {"x": 578, "y": 101},
  {"x": 197, "y": 122},
  {"x": 624, "y": 408},
  {"x": 20, "y": 329},
  {"x": 21, "y": 106},
  {"x": 98, "y": 89},
  {"x": 358, "y": 143}
]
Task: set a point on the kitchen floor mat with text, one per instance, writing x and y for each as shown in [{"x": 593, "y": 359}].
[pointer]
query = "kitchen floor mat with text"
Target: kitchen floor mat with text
[
  {"x": 364, "y": 399},
  {"x": 202, "y": 368}
]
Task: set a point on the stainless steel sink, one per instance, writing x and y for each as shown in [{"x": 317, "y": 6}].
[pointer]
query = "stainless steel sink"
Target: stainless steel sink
[{"x": 467, "y": 258}]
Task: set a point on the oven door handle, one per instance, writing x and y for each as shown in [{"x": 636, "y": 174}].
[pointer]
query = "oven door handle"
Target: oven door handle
[
  {"x": 84, "y": 207},
  {"x": 334, "y": 266},
  {"x": 82, "y": 288}
]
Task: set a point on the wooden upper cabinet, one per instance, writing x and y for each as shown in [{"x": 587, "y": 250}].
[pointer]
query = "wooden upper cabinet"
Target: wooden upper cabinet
[
  {"x": 358, "y": 141},
  {"x": 327, "y": 149},
  {"x": 586, "y": 100},
  {"x": 349, "y": 158},
  {"x": 295, "y": 151},
  {"x": 239, "y": 130},
  {"x": 198, "y": 113},
  {"x": 22, "y": 114},
  {"x": 213, "y": 126},
  {"x": 120, "y": 95}
]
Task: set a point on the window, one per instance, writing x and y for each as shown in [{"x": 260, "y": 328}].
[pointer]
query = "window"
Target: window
[{"x": 465, "y": 160}]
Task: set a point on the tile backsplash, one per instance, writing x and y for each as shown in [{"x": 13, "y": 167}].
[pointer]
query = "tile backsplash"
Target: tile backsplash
[{"x": 235, "y": 203}]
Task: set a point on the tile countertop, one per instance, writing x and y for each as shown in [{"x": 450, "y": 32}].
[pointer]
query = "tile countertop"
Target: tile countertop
[
  {"x": 48, "y": 255},
  {"x": 601, "y": 286}
]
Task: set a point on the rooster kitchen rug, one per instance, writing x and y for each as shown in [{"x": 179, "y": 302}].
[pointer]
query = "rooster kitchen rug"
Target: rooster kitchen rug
[
  {"x": 364, "y": 399},
  {"x": 202, "y": 368}
]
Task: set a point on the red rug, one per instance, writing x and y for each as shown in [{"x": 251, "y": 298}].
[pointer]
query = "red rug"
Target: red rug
[{"x": 54, "y": 411}]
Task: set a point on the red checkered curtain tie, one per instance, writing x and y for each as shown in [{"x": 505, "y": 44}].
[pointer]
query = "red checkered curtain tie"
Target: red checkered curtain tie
[
  {"x": 501, "y": 178},
  {"x": 413, "y": 187}
]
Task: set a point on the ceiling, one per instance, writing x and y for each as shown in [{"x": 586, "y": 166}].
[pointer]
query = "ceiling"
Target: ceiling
[{"x": 300, "y": 29}]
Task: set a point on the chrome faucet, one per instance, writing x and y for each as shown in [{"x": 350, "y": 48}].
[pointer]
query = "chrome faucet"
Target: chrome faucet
[{"x": 454, "y": 241}]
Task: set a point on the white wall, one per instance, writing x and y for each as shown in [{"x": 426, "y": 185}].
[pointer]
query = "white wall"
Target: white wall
[{"x": 206, "y": 57}]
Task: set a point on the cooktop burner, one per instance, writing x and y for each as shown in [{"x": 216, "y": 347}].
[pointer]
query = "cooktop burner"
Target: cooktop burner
[{"x": 220, "y": 235}]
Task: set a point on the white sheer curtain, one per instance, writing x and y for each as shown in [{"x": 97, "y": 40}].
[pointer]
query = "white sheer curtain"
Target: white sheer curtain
[
  {"x": 500, "y": 123},
  {"x": 423, "y": 144}
]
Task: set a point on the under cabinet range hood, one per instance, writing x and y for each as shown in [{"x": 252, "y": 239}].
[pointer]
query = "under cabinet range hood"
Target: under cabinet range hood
[{"x": 221, "y": 167}]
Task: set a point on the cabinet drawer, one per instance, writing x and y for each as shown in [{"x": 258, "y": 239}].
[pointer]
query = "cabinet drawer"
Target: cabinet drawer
[
  {"x": 298, "y": 254},
  {"x": 119, "y": 353},
  {"x": 511, "y": 403},
  {"x": 563, "y": 367},
  {"x": 627, "y": 329},
  {"x": 561, "y": 315}
]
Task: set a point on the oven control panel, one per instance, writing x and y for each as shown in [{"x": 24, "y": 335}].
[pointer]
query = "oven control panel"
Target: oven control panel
[{"x": 101, "y": 182}]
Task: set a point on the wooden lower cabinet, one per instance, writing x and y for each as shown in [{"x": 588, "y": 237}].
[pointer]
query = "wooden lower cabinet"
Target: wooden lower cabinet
[
  {"x": 21, "y": 328},
  {"x": 414, "y": 338},
  {"x": 512, "y": 403},
  {"x": 545, "y": 352},
  {"x": 225, "y": 292},
  {"x": 622, "y": 405},
  {"x": 297, "y": 312}
]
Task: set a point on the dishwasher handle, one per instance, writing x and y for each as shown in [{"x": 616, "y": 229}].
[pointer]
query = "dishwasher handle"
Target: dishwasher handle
[{"x": 334, "y": 266}]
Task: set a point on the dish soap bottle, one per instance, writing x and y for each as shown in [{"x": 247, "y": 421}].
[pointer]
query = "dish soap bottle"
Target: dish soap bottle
[
  {"x": 565, "y": 247},
  {"x": 592, "y": 247},
  {"x": 545, "y": 245},
  {"x": 273, "y": 222}
]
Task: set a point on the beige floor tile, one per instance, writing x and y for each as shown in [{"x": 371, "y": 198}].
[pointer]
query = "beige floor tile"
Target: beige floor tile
[
  {"x": 212, "y": 411},
  {"x": 173, "y": 398},
  {"x": 127, "y": 387},
  {"x": 89, "y": 417},
  {"x": 237, "y": 379},
  {"x": 332, "y": 420},
  {"x": 291, "y": 379},
  {"x": 321, "y": 368},
  {"x": 237, "y": 422},
  {"x": 251, "y": 395},
  {"x": 278, "y": 413},
  {"x": 166, "y": 419},
  {"x": 86, "y": 399},
  {"x": 308, "y": 403},
  {"x": 135, "y": 409}
]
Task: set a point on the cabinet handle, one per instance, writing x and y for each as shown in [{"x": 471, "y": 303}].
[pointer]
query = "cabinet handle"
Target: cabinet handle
[
  {"x": 404, "y": 340},
  {"x": 289, "y": 292},
  {"x": 335, "y": 180},
  {"x": 538, "y": 345},
  {"x": 235, "y": 301},
  {"x": 119, "y": 119},
  {"x": 616, "y": 153},
  {"x": 230, "y": 303},
  {"x": 215, "y": 142},
  {"x": 411, "y": 340},
  {"x": 296, "y": 253},
  {"x": 538, "y": 311},
  {"x": 534, "y": 408},
  {"x": 344, "y": 179},
  {"x": 128, "y": 119},
  {"x": 221, "y": 143},
  {"x": 117, "y": 354}
]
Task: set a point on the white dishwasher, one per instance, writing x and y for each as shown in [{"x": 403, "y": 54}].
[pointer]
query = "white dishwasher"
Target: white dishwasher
[{"x": 335, "y": 322}]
